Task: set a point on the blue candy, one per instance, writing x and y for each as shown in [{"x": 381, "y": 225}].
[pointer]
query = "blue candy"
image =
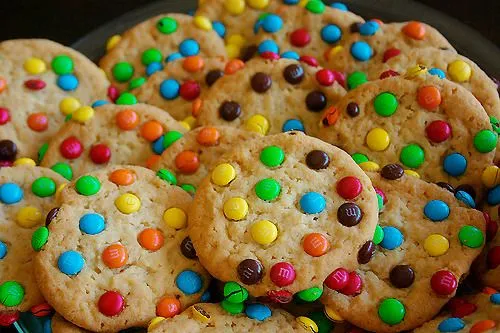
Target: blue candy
[
  {"x": 11, "y": 193},
  {"x": 437, "y": 210},
  {"x": 331, "y": 33},
  {"x": 465, "y": 198},
  {"x": 437, "y": 72},
  {"x": 272, "y": 23},
  {"x": 455, "y": 164},
  {"x": 290, "y": 55},
  {"x": 293, "y": 125},
  {"x": 268, "y": 46},
  {"x": 493, "y": 196},
  {"x": 339, "y": 6},
  {"x": 98, "y": 103},
  {"x": 173, "y": 57},
  {"x": 257, "y": 25},
  {"x": 206, "y": 296},
  {"x": 451, "y": 325},
  {"x": 169, "y": 89},
  {"x": 312, "y": 203},
  {"x": 291, "y": 2},
  {"x": 92, "y": 223},
  {"x": 189, "y": 282},
  {"x": 157, "y": 146},
  {"x": 153, "y": 68},
  {"x": 191, "y": 12},
  {"x": 47, "y": 326},
  {"x": 369, "y": 28},
  {"x": 361, "y": 51},
  {"x": 70, "y": 262},
  {"x": 495, "y": 298},
  {"x": 67, "y": 82},
  {"x": 393, "y": 238},
  {"x": 219, "y": 28},
  {"x": 258, "y": 311},
  {"x": 3, "y": 250},
  {"x": 189, "y": 47}
]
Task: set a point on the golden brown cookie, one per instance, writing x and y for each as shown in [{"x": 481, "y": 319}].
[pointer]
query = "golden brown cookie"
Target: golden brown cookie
[{"x": 61, "y": 325}]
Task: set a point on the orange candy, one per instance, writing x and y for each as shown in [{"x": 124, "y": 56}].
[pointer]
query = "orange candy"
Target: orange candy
[
  {"x": 415, "y": 30},
  {"x": 122, "y": 177},
  {"x": 429, "y": 97},
  {"x": 489, "y": 291},
  {"x": 316, "y": 244},
  {"x": 115, "y": 256},
  {"x": 331, "y": 116},
  {"x": 151, "y": 239},
  {"x": 208, "y": 136},
  {"x": 38, "y": 122},
  {"x": 3, "y": 84},
  {"x": 233, "y": 66},
  {"x": 152, "y": 160},
  {"x": 196, "y": 107},
  {"x": 151, "y": 130},
  {"x": 187, "y": 162},
  {"x": 127, "y": 120},
  {"x": 193, "y": 64},
  {"x": 482, "y": 326},
  {"x": 168, "y": 307}
]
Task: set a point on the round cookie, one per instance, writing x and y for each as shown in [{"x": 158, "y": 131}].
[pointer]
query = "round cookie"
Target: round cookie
[
  {"x": 193, "y": 156},
  {"x": 182, "y": 81},
  {"x": 433, "y": 127},
  {"x": 424, "y": 245},
  {"x": 112, "y": 134},
  {"x": 279, "y": 212},
  {"x": 272, "y": 96},
  {"x": 40, "y": 83},
  {"x": 489, "y": 264},
  {"x": 118, "y": 246},
  {"x": 27, "y": 194},
  {"x": 60, "y": 325},
  {"x": 143, "y": 49}
]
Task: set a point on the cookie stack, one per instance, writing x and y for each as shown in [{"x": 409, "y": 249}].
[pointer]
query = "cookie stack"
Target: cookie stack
[{"x": 260, "y": 165}]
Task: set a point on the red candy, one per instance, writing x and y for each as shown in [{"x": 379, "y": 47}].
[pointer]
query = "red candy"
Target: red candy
[
  {"x": 444, "y": 283},
  {"x": 270, "y": 55},
  {"x": 111, "y": 303},
  {"x": 349, "y": 187},
  {"x": 493, "y": 257},
  {"x": 463, "y": 310},
  {"x": 8, "y": 318},
  {"x": 4, "y": 116},
  {"x": 381, "y": 193},
  {"x": 6, "y": 164},
  {"x": 337, "y": 279},
  {"x": 35, "y": 84},
  {"x": 282, "y": 274},
  {"x": 300, "y": 37},
  {"x": 71, "y": 148},
  {"x": 113, "y": 93},
  {"x": 354, "y": 285},
  {"x": 325, "y": 77},
  {"x": 438, "y": 131},
  {"x": 311, "y": 61},
  {"x": 190, "y": 90},
  {"x": 388, "y": 73},
  {"x": 280, "y": 296},
  {"x": 491, "y": 227},
  {"x": 391, "y": 53},
  {"x": 42, "y": 310},
  {"x": 100, "y": 154},
  {"x": 340, "y": 78}
]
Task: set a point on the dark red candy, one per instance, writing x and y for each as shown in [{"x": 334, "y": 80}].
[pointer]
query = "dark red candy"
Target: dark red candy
[
  {"x": 337, "y": 279},
  {"x": 71, "y": 148},
  {"x": 493, "y": 257},
  {"x": 311, "y": 61},
  {"x": 42, "y": 310},
  {"x": 280, "y": 296},
  {"x": 391, "y": 53},
  {"x": 190, "y": 90},
  {"x": 270, "y": 55},
  {"x": 5, "y": 164},
  {"x": 349, "y": 187},
  {"x": 111, "y": 303},
  {"x": 455, "y": 302},
  {"x": 444, "y": 283},
  {"x": 282, "y": 274},
  {"x": 100, "y": 154},
  {"x": 113, "y": 93},
  {"x": 300, "y": 37},
  {"x": 8, "y": 318},
  {"x": 353, "y": 286},
  {"x": 388, "y": 73},
  {"x": 463, "y": 310},
  {"x": 491, "y": 227},
  {"x": 438, "y": 131},
  {"x": 35, "y": 84}
]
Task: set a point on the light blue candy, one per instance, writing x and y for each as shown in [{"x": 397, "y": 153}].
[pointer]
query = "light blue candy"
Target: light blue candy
[
  {"x": 369, "y": 28},
  {"x": 393, "y": 238},
  {"x": 169, "y": 89},
  {"x": 11, "y": 193},
  {"x": 331, "y": 33},
  {"x": 437, "y": 210},
  {"x": 361, "y": 51},
  {"x": 70, "y": 262},
  {"x": 268, "y": 46},
  {"x": 339, "y": 6},
  {"x": 495, "y": 298},
  {"x": 189, "y": 47},
  {"x": 99, "y": 102},
  {"x": 257, "y": 311},
  {"x": 3, "y": 250},
  {"x": 291, "y": 2},
  {"x": 272, "y": 23},
  {"x": 157, "y": 146},
  {"x": 312, "y": 203},
  {"x": 206, "y": 296},
  {"x": 437, "y": 72},
  {"x": 465, "y": 198},
  {"x": 219, "y": 28},
  {"x": 173, "y": 57},
  {"x": 47, "y": 326},
  {"x": 293, "y": 125},
  {"x": 455, "y": 164},
  {"x": 290, "y": 55},
  {"x": 189, "y": 282},
  {"x": 257, "y": 25},
  {"x": 451, "y": 325},
  {"x": 493, "y": 196},
  {"x": 67, "y": 82},
  {"x": 92, "y": 223},
  {"x": 153, "y": 68}
]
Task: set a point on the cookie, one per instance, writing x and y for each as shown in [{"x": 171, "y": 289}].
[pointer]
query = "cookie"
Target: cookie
[
  {"x": 277, "y": 213},
  {"x": 27, "y": 194},
  {"x": 143, "y": 49},
  {"x": 424, "y": 245},
  {"x": 182, "y": 81},
  {"x": 209, "y": 317},
  {"x": 434, "y": 128},
  {"x": 272, "y": 96},
  {"x": 476, "y": 313},
  {"x": 111, "y": 134},
  {"x": 118, "y": 245},
  {"x": 59, "y": 325},
  {"x": 193, "y": 156},
  {"x": 40, "y": 83}
]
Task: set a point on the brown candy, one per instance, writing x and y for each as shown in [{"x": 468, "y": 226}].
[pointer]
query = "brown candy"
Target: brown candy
[
  {"x": 316, "y": 101},
  {"x": 230, "y": 110},
  {"x": 250, "y": 271},
  {"x": 352, "y": 109},
  {"x": 402, "y": 276},
  {"x": 392, "y": 171},
  {"x": 8, "y": 150},
  {"x": 366, "y": 252},
  {"x": 213, "y": 76},
  {"x": 261, "y": 82},
  {"x": 446, "y": 186},
  {"x": 317, "y": 160},
  {"x": 349, "y": 214},
  {"x": 293, "y": 74},
  {"x": 188, "y": 249},
  {"x": 51, "y": 215}
]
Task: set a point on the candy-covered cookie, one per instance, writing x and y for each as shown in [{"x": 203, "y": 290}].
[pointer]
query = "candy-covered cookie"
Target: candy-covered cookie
[
  {"x": 142, "y": 50},
  {"x": 27, "y": 194},
  {"x": 41, "y": 82},
  {"x": 424, "y": 245},
  {"x": 117, "y": 250},
  {"x": 277, "y": 213},
  {"x": 431, "y": 126},
  {"x": 193, "y": 156},
  {"x": 270, "y": 96},
  {"x": 489, "y": 264},
  {"x": 110, "y": 134}
]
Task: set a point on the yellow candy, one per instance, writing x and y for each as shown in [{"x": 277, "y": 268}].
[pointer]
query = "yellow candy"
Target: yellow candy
[
  {"x": 258, "y": 4},
  {"x": 233, "y": 51},
  {"x": 308, "y": 324},
  {"x": 223, "y": 174},
  {"x": 369, "y": 166},
  {"x": 185, "y": 125},
  {"x": 235, "y": 7},
  {"x": 237, "y": 40},
  {"x": 154, "y": 322},
  {"x": 35, "y": 66},
  {"x": 415, "y": 71},
  {"x": 200, "y": 314},
  {"x": 377, "y": 139},
  {"x": 412, "y": 173},
  {"x": 303, "y": 3},
  {"x": 24, "y": 161},
  {"x": 258, "y": 124},
  {"x": 491, "y": 176},
  {"x": 203, "y": 22},
  {"x": 436, "y": 245},
  {"x": 264, "y": 232},
  {"x": 128, "y": 203},
  {"x": 459, "y": 71},
  {"x": 175, "y": 218},
  {"x": 59, "y": 189},
  {"x": 68, "y": 105},
  {"x": 235, "y": 209},
  {"x": 335, "y": 50},
  {"x": 191, "y": 121},
  {"x": 83, "y": 114},
  {"x": 28, "y": 217},
  {"x": 112, "y": 41},
  {"x": 333, "y": 315}
]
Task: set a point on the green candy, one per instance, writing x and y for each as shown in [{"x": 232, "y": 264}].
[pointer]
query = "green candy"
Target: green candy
[
  {"x": 325, "y": 325},
  {"x": 136, "y": 83},
  {"x": 151, "y": 55},
  {"x": 379, "y": 234},
  {"x": 495, "y": 124},
  {"x": 166, "y": 25},
  {"x": 167, "y": 176},
  {"x": 272, "y": 156},
  {"x": 42, "y": 151},
  {"x": 234, "y": 293},
  {"x": 62, "y": 64},
  {"x": 385, "y": 104},
  {"x": 68, "y": 118},
  {"x": 11, "y": 293},
  {"x": 315, "y": 6},
  {"x": 232, "y": 308},
  {"x": 64, "y": 169},
  {"x": 88, "y": 185},
  {"x": 170, "y": 137},
  {"x": 380, "y": 202},
  {"x": 359, "y": 158},
  {"x": 123, "y": 71},
  {"x": 310, "y": 295},
  {"x": 471, "y": 236},
  {"x": 189, "y": 188},
  {"x": 485, "y": 141},
  {"x": 391, "y": 311},
  {"x": 412, "y": 156},
  {"x": 39, "y": 238},
  {"x": 355, "y": 79},
  {"x": 267, "y": 189},
  {"x": 43, "y": 187},
  {"x": 126, "y": 99}
]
